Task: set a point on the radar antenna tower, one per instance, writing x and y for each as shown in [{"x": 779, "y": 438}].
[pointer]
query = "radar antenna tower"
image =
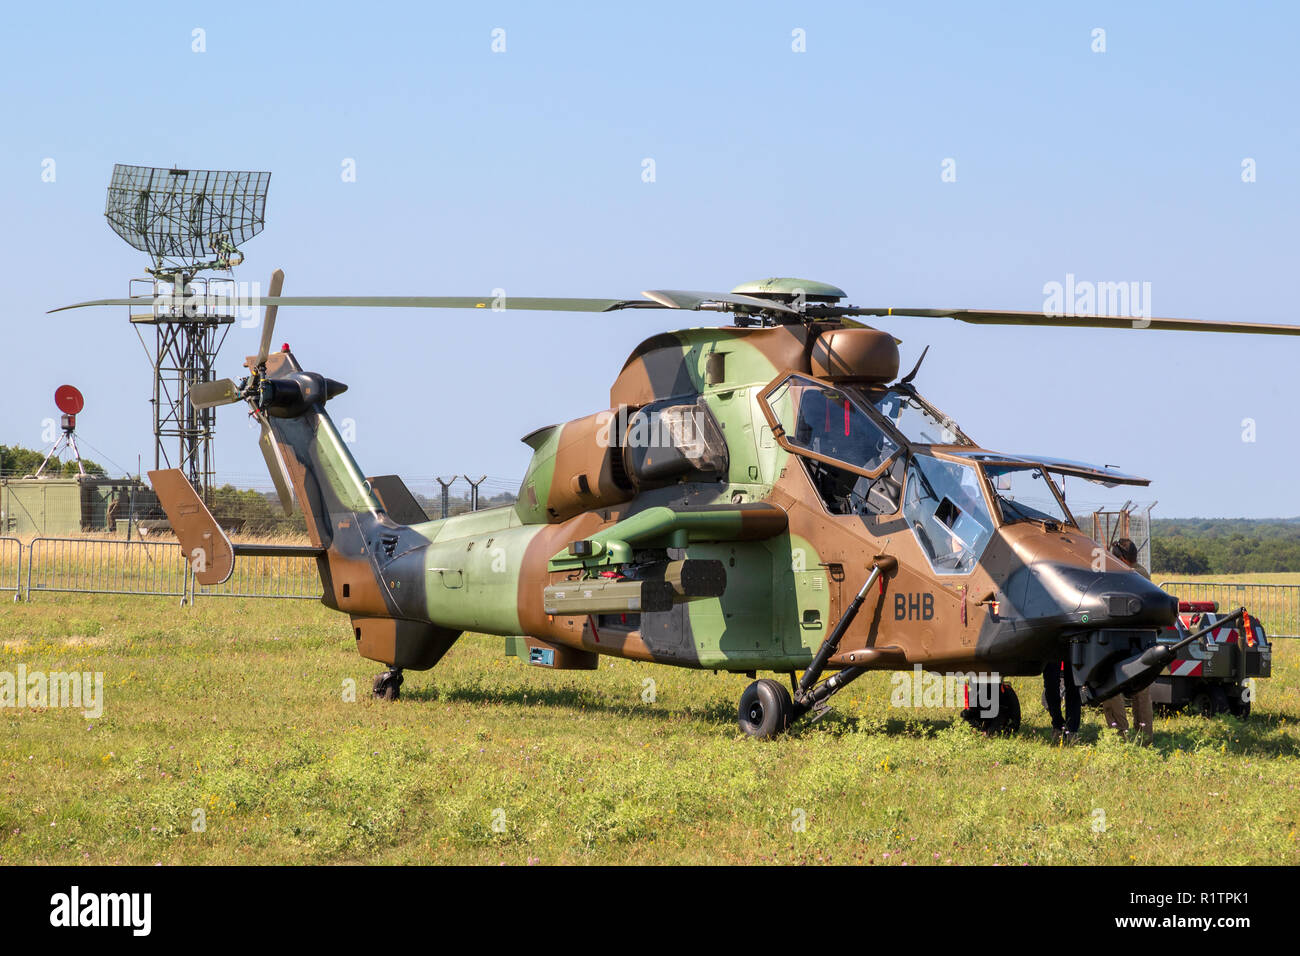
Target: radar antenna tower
[{"x": 189, "y": 221}]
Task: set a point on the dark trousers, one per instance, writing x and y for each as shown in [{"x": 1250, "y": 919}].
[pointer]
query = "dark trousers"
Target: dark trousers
[{"x": 1053, "y": 677}]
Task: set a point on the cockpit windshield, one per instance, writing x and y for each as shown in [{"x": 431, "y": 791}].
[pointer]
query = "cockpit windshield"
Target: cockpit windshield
[
  {"x": 945, "y": 508},
  {"x": 1026, "y": 493},
  {"x": 916, "y": 421}
]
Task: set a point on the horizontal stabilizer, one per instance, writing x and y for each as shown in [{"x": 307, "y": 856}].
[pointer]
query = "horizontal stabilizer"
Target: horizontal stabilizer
[{"x": 278, "y": 551}]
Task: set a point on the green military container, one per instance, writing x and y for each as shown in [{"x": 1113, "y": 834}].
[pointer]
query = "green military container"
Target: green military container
[{"x": 58, "y": 507}]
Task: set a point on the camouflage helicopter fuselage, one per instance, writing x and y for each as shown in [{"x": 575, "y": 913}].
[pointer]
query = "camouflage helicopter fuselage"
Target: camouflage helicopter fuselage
[
  {"x": 705, "y": 519},
  {"x": 769, "y": 496}
]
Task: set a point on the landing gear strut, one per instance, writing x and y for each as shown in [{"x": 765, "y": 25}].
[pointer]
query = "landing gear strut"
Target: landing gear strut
[
  {"x": 388, "y": 685},
  {"x": 766, "y": 709}
]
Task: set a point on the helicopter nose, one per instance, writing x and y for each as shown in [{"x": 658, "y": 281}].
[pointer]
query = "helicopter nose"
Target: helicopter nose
[
  {"x": 1075, "y": 594},
  {"x": 1127, "y": 599}
]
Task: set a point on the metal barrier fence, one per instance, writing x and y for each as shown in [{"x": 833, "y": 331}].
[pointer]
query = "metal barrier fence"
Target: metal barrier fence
[
  {"x": 156, "y": 568},
  {"x": 265, "y": 576},
  {"x": 106, "y": 566},
  {"x": 1276, "y": 605},
  {"x": 11, "y": 566}
]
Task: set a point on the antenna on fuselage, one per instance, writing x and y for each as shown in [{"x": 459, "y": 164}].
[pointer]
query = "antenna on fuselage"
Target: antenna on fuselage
[{"x": 906, "y": 379}]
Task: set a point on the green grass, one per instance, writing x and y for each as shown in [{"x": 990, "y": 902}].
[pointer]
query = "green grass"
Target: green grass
[
  {"x": 1260, "y": 577},
  {"x": 236, "y": 707}
]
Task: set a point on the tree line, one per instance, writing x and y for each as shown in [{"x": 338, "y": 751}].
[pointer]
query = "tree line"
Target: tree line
[
  {"x": 1224, "y": 545},
  {"x": 17, "y": 461}
]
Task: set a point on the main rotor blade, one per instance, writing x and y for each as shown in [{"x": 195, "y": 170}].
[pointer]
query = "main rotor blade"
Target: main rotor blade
[
  {"x": 657, "y": 299},
  {"x": 1044, "y": 320},
  {"x": 275, "y": 465},
  {"x": 268, "y": 321},
  {"x": 520, "y": 303},
  {"x": 718, "y": 301},
  {"x": 211, "y": 394},
  {"x": 510, "y": 303}
]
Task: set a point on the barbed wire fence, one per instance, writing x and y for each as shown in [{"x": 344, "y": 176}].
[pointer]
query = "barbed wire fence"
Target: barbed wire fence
[{"x": 248, "y": 504}]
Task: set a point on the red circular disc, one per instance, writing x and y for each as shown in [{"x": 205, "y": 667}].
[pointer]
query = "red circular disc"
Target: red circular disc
[{"x": 69, "y": 399}]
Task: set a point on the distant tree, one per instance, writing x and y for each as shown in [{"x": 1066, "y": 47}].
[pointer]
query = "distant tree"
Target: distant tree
[
  {"x": 1175, "y": 556},
  {"x": 252, "y": 512},
  {"x": 92, "y": 468},
  {"x": 16, "y": 461},
  {"x": 1225, "y": 545}
]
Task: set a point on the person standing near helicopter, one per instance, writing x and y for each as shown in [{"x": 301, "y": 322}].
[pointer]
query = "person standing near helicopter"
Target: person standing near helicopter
[{"x": 1058, "y": 682}]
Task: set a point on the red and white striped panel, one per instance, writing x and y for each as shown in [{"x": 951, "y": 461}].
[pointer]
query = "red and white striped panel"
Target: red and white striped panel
[
  {"x": 1186, "y": 668},
  {"x": 1220, "y": 635}
]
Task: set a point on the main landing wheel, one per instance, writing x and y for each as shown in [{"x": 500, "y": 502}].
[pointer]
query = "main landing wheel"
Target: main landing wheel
[
  {"x": 765, "y": 709},
  {"x": 1005, "y": 722},
  {"x": 388, "y": 685}
]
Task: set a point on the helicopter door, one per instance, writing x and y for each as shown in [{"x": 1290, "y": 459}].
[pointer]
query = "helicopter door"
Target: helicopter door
[{"x": 806, "y": 601}]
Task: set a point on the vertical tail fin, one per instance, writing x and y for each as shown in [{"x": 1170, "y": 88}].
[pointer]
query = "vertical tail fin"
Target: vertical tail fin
[
  {"x": 323, "y": 476},
  {"x": 372, "y": 567}
]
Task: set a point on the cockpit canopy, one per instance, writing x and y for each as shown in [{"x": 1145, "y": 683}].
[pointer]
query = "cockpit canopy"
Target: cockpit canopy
[
  {"x": 876, "y": 450},
  {"x": 945, "y": 507},
  {"x": 917, "y": 421},
  {"x": 860, "y": 429},
  {"x": 827, "y": 423}
]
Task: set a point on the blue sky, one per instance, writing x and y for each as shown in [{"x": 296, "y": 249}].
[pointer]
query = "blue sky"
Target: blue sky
[{"x": 522, "y": 170}]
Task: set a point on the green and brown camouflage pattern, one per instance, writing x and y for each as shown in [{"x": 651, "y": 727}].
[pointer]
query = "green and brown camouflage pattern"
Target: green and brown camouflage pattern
[
  {"x": 736, "y": 495},
  {"x": 791, "y": 567}
]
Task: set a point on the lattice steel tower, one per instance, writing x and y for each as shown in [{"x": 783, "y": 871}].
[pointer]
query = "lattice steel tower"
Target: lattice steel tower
[{"x": 189, "y": 221}]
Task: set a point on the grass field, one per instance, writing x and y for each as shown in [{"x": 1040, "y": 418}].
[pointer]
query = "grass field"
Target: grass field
[
  {"x": 1257, "y": 577},
  {"x": 237, "y": 708}
]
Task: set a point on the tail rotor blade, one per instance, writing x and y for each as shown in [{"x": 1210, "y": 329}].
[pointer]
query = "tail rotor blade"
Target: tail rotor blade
[
  {"x": 211, "y": 394},
  {"x": 276, "y": 466},
  {"x": 268, "y": 321}
]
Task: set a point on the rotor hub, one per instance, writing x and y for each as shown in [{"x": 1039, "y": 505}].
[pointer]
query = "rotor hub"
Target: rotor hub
[{"x": 790, "y": 290}]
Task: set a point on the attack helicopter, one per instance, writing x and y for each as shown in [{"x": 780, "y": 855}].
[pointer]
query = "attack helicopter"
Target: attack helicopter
[{"x": 769, "y": 496}]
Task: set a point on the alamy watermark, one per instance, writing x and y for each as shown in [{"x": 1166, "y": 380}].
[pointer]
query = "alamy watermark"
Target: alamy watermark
[
  {"x": 922, "y": 688},
  {"x": 133, "y": 911},
  {"x": 680, "y": 427},
  {"x": 79, "y": 689},
  {"x": 1074, "y": 298}
]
